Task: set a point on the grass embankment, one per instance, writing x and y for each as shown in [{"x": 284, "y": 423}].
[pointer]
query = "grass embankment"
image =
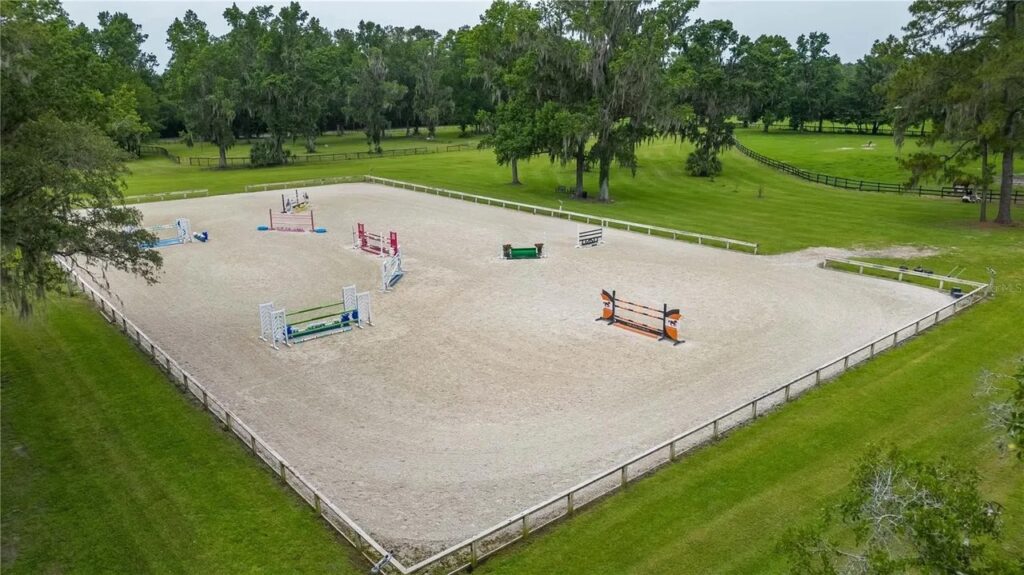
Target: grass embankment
[
  {"x": 722, "y": 510},
  {"x": 352, "y": 141},
  {"x": 107, "y": 469}
]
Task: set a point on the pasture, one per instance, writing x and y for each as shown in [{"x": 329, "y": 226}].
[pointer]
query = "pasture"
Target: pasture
[{"x": 855, "y": 156}]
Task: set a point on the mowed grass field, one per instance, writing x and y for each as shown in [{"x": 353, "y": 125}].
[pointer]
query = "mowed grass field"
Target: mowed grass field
[
  {"x": 722, "y": 510},
  {"x": 844, "y": 155},
  {"x": 332, "y": 143},
  {"x": 106, "y": 468}
]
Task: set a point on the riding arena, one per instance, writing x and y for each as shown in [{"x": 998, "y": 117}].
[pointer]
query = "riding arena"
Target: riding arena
[{"x": 481, "y": 384}]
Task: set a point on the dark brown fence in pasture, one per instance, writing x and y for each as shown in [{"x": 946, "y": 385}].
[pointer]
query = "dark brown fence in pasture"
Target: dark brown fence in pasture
[
  {"x": 159, "y": 151},
  {"x": 865, "y": 185},
  {"x": 864, "y": 130}
]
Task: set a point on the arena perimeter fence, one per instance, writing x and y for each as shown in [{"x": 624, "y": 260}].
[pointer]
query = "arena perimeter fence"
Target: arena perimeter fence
[
  {"x": 702, "y": 239},
  {"x": 191, "y": 386},
  {"x": 142, "y": 198},
  {"x": 863, "y": 185},
  {"x": 469, "y": 552},
  {"x": 304, "y": 183}
]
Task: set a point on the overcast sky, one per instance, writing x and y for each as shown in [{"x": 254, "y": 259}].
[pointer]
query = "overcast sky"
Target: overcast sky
[{"x": 851, "y": 24}]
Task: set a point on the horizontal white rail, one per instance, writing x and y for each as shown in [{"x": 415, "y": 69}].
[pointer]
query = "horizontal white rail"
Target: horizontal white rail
[
  {"x": 165, "y": 196},
  {"x": 901, "y": 273},
  {"x": 702, "y": 239},
  {"x": 303, "y": 183},
  {"x": 348, "y": 528},
  {"x": 717, "y": 427}
]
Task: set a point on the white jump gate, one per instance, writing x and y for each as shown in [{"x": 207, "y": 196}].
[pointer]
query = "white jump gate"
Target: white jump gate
[
  {"x": 391, "y": 271},
  {"x": 589, "y": 237}
]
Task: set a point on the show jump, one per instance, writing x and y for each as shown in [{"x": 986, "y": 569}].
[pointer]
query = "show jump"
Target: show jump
[
  {"x": 638, "y": 318},
  {"x": 292, "y": 205},
  {"x": 376, "y": 244},
  {"x": 280, "y": 326},
  {"x": 179, "y": 232},
  {"x": 510, "y": 253},
  {"x": 589, "y": 238}
]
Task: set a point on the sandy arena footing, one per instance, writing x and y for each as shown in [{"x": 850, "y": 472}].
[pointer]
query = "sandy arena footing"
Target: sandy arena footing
[{"x": 484, "y": 386}]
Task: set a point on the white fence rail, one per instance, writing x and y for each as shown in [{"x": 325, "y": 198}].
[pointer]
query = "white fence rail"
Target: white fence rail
[
  {"x": 470, "y": 552},
  {"x": 901, "y": 274},
  {"x": 703, "y": 239},
  {"x": 341, "y": 522},
  {"x": 303, "y": 183},
  {"x": 165, "y": 196}
]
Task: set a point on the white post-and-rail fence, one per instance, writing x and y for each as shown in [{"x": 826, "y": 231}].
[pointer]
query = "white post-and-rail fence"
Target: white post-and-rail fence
[
  {"x": 703, "y": 239},
  {"x": 902, "y": 274},
  {"x": 304, "y": 183},
  {"x": 165, "y": 196},
  {"x": 469, "y": 552},
  {"x": 188, "y": 384}
]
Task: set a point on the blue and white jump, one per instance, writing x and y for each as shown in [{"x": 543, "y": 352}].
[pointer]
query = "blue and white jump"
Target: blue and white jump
[
  {"x": 391, "y": 271},
  {"x": 181, "y": 228}
]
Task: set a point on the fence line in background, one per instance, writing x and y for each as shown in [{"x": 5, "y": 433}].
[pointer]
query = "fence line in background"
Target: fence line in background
[
  {"x": 160, "y": 151},
  {"x": 332, "y": 157},
  {"x": 188, "y": 384},
  {"x": 813, "y": 129},
  {"x": 703, "y": 239},
  {"x": 863, "y": 185},
  {"x": 165, "y": 196}
]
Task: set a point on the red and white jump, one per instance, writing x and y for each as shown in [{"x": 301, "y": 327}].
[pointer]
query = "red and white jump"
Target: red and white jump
[{"x": 376, "y": 244}]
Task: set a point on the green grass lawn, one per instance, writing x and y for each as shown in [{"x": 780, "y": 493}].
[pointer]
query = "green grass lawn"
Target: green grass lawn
[
  {"x": 722, "y": 510},
  {"x": 106, "y": 468},
  {"x": 352, "y": 141},
  {"x": 841, "y": 155}
]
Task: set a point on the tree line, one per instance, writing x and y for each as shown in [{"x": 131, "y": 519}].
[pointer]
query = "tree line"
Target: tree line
[{"x": 581, "y": 82}]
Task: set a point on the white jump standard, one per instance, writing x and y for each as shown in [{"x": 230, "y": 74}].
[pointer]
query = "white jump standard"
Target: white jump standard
[
  {"x": 376, "y": 244},
  {"x": 391, "y": 271},
  {"x": 296, "y": 204},
  {"x": 278, "y": 326},
  {"x": 590, "y": 237}
]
